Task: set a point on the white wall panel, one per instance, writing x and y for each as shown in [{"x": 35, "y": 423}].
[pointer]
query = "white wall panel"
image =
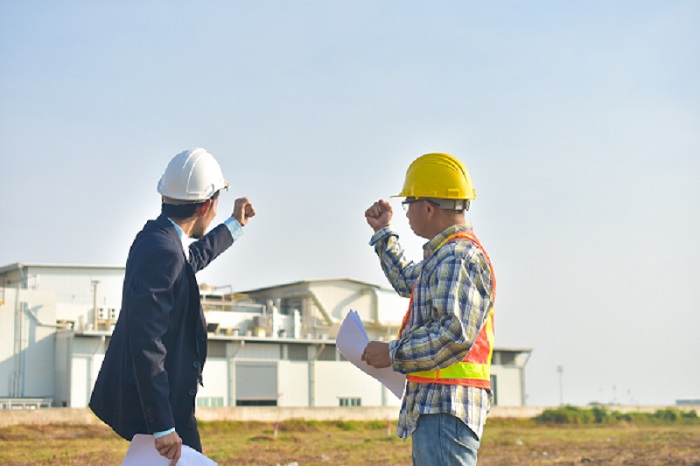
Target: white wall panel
[
  {"x": 79, "y": 393},
  {"x": 7, "y": 340},
  {"x": 335, "y": 380},
  {"x": 293, "y": 383},
  {"x": 215, "y": 376},
  {"x": 259, "y": 351},
  {"x": 509, "y": 389}
]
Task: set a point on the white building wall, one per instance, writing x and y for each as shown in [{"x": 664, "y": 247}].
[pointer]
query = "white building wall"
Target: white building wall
[
  {"x": 293, "y": 377},
  {"x": 80, "y": 391},
  {"x": 39, "y": 374},
  {"x": 392, "y": 307},
  {"x": 335, "y": 380},
  {"x": 269, "y": 351},
  {"x": 74, "y": 290},
  {"x": 508, "y": 385},
  {"x": 338, "y": 297},
  {"x": 26, "y": 345},
  {"x": 87, "y": 356},
  {"x": 215, "y": 376},
  {"x": 7, "y": 340},
  {"x": 371, "y": 303}
]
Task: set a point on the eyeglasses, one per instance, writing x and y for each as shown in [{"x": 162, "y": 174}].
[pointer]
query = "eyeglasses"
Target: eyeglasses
[
  {"x": 459, "y": 205},
  {"x": 408, "y": 202}
]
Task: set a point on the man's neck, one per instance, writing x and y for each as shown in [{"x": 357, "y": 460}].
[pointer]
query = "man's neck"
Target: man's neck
[
  {"x": 187, "y": 224},
  {"x": 445, "y": 220}
]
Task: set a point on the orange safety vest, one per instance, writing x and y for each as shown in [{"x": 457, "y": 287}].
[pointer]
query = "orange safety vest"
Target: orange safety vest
[{"x": 475, "y": 369}]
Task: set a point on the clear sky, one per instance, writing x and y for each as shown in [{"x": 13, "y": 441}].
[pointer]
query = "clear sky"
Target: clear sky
[{"x": 579, "y": 122}]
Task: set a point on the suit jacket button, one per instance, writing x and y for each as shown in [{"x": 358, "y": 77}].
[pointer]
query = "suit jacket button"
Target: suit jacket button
[
  {"x": 196, "y": 364},
  {"x": 193, "y": 392}
]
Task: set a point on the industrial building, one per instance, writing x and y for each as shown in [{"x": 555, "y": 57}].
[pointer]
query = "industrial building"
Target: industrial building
[{"x": 270, "y": 346}]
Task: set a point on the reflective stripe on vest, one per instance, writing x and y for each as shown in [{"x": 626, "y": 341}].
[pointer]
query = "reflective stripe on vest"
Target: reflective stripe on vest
[{"x": 475, "y": 369}]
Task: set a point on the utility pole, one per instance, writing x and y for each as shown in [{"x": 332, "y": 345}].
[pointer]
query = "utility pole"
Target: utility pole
[
  {"x": 95, "y": 285},
  {"x": 560, "y": 370}
]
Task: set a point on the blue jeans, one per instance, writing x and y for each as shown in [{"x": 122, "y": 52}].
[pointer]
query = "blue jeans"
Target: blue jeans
[{"x": 443, "y": 440}]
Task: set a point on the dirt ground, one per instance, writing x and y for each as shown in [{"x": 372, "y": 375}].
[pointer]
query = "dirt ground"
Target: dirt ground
[
  {"x": 592, "y": 445},
  {"x": 316, "y": 443}
]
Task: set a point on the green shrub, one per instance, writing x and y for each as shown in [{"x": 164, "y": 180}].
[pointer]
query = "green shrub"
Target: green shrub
[
  {"x": 600, "y": 415},
  {"x": 636, "y": 418},
  {"x": 668, "y": 415},
  {"x": 566, "y": 415}
]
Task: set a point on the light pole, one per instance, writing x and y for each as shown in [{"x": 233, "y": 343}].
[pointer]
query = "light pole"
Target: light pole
[{"x": 560, "y": 370}]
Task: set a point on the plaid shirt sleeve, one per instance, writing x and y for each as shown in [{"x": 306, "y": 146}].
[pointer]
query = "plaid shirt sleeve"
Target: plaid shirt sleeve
[
  {"x": 450, "y": 306},
  {"x": 400, "y": 272}
]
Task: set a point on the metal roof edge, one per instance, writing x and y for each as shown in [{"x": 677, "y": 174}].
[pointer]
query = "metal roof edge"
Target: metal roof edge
[
  {"x": 312, "y": 281},
  {"x": 315, "y": 341},
  {"x": 25, "y": 265}
]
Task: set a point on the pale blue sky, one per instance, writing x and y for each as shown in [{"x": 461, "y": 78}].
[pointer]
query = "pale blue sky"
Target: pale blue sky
[{"x": 578, "y": 120}]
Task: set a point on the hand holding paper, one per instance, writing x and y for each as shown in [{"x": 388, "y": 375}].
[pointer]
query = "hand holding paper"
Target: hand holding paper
[
  {"x": 377, "y": 355},
  {"x": 352, "y": 341},
  {"x": 142, "y": 452}
]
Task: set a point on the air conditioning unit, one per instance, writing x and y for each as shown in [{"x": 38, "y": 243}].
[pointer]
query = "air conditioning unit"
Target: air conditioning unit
[
  {"x": 102, "y": 313},
  {"x": 113, "y": 313}
]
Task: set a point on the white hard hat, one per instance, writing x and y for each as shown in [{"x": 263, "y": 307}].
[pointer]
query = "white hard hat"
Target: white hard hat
[{"x": 193, "y": 175}]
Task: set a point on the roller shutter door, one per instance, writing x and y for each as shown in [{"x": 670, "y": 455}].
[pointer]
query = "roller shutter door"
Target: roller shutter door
[{"x": 256, "y": 381}]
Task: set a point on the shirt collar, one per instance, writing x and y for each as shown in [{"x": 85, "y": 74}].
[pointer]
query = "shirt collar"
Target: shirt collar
[
  {"x": 184, "y": 239},
  {"x": 430, "y": 247}
]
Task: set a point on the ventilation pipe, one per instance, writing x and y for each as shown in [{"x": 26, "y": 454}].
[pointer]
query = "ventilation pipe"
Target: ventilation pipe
[
  {"x": 38, "y": 321},
  {"x": 309, "y": 294}
]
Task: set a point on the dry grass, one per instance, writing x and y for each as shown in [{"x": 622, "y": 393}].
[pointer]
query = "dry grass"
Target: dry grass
[{"x": 506, "y": 442}]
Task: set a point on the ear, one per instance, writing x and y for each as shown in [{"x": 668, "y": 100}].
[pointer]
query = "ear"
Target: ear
[{"x": 204, "y": 208}]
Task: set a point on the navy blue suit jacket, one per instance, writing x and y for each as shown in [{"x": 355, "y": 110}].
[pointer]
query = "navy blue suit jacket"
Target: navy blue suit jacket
[{"x": 154, "y": 361}]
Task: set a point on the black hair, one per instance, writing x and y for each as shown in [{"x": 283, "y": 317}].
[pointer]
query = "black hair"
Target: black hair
[{"x": 182, "y": 211}]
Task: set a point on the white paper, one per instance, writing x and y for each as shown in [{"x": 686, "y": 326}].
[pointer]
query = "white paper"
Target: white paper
[
  {"x": 351, "y": 342},
  {"x": 142, "y": 452}
]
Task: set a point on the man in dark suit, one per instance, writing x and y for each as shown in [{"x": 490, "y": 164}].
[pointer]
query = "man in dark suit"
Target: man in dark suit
[{"x": 149, "y": 377}]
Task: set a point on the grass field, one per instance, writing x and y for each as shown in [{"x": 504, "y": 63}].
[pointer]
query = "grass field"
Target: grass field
[{"x": 505, "y": 442}]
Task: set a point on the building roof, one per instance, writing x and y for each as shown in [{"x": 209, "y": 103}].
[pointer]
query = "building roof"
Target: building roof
[
  {"x": 24, "y": 265},
  {"x": 513, "y": 349},
  {"x": 309, "y": 282}
]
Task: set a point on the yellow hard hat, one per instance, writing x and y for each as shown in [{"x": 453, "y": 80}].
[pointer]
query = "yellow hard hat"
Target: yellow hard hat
[{"x": 438, "y": 176}]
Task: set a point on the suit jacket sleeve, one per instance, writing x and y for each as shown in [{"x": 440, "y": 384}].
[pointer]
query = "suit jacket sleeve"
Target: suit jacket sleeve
[
  {"x": 151, "y": 300},
  {"x": 209, "y": 247}
]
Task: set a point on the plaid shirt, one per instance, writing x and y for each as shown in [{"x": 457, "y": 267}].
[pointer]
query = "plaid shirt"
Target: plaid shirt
[{"x": 451, "y": 303}]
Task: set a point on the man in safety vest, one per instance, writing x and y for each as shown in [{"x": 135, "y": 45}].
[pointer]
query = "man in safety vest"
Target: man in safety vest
[{"x": 445, "y": 342}]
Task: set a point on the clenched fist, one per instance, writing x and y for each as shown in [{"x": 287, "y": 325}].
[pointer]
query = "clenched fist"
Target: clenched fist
[
  {"x": 379, "y": 215},
  {"x": 243, "y": 210}
]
